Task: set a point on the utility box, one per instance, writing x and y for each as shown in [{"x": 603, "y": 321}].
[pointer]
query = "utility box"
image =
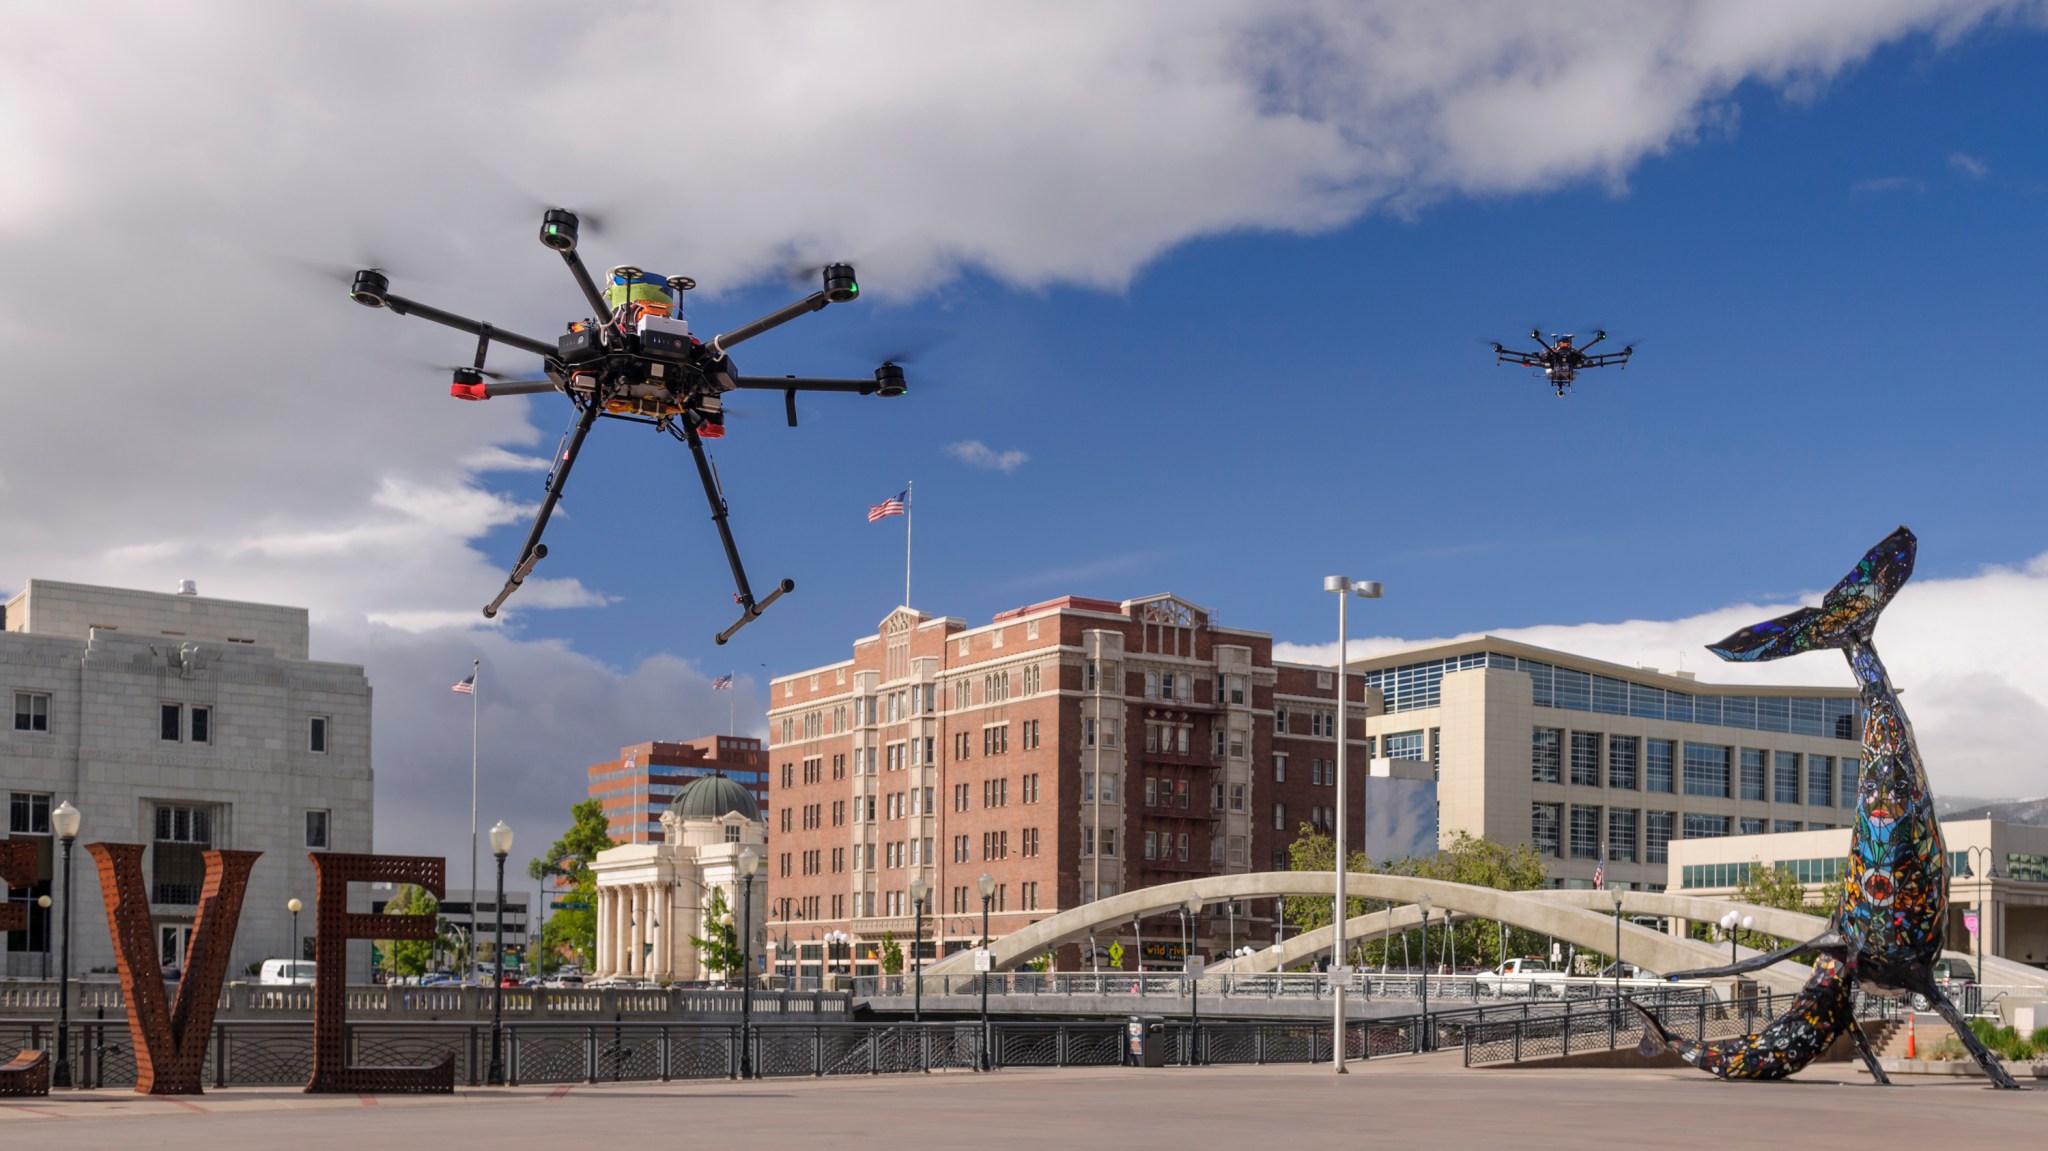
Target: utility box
[{"x": 1145, "y": 1041}]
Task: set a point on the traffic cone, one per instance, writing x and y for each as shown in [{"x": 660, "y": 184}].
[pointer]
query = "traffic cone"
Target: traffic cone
[{"x": 1912, "y": 1048}]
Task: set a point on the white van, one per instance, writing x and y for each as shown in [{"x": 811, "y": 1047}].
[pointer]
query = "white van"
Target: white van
[{"x": 286, "y": 971}]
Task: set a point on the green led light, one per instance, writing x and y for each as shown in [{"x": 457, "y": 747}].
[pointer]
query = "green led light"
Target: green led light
[{"x": 856, "y": 289}]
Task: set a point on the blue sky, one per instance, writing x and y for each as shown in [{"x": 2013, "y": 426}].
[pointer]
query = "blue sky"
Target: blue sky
[{"x": 1218, "y": 277}]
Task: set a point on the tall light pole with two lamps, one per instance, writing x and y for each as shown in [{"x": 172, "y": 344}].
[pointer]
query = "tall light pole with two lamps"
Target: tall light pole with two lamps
[
  {"x": 1343, "y": 587},
  {"x": 918, "y": 890},
  {"x": 1422, "y": 902},
  {"x": 501, "y": 846},
  {"x": 1617, "y": 950},
  {"x": 749, "y": 863},
  {"x": 64, "y": 821},
  {"x": 1732, "y": 923},
  {"x": 987, "y": 886},
  {"x": 1984, "y": 881},
  {"x": 1191, "y": 929}
]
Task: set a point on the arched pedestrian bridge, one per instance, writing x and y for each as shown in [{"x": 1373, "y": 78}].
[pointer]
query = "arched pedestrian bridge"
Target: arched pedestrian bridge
[{"x": 1582, "y": 917}]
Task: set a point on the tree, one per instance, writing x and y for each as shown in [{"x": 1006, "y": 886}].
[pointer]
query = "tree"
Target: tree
[
  {"x": 1769, "y": 885},
  {"x": 573, "y": 926},
  {"x": 1481, "y": 862},
  {"x": 719, "y": 947},
  {"x": 892, "y": 954},
  {"x": 411, "y": 956}
]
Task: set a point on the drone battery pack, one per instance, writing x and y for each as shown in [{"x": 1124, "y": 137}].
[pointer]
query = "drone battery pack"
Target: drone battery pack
[
  {"x": 578, "y": 347},
  {"x": 667, "y": 345}
]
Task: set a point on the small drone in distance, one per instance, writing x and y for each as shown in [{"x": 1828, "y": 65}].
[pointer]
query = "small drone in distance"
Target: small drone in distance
[
  {"x": 1560, "y": 361},
  {"x": 635, "y": 360}
]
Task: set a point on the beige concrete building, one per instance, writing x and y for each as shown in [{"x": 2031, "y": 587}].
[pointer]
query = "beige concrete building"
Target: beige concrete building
[
  {"x": 1998, "y": 877},
  {"x": 182, "y": 723},
  {"x": 652, "y": 897},
  {"x": 1590, "y": 761}
]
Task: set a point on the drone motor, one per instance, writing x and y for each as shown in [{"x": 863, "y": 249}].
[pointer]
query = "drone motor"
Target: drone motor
[
  {"x": 558, "y": 230},
  {"x": 369, "y": 288}
]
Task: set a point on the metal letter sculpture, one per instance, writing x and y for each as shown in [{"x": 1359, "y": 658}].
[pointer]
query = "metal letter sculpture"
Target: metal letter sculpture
[
  {"x": 1887, "y": 931},
  {"x": 335, "y": 926},
  {"x": 170, "y": 1044},
  {"x": 18, "y": 870}
]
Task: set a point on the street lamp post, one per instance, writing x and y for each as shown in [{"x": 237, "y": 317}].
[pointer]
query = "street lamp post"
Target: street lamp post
[
  {"x": 501, "y": 846},
  {"x": 987, "y": 886},
  {"x": 750, "y": 862},
  {"x": 64, "y": 821},
  {"x": 1730, "y": 924},
  {"x": 1617, "y": 950},
  {"x": 1344, "y": 587},
  {"x": 918, "y": 890},
  {"x": 1984, "y": 879},
  {"x": 293, "y": 952},
  {"x": 43, "y": 901},
  {"x": 1423, "y": 903},
  {"x": 1194, "y": 922}
]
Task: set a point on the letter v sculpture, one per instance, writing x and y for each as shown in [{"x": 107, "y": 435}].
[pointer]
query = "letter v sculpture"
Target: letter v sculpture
[{"x": 1888, "y": 929}]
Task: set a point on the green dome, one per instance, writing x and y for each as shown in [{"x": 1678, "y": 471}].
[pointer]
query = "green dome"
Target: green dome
[{"x": 712, "y": 797}]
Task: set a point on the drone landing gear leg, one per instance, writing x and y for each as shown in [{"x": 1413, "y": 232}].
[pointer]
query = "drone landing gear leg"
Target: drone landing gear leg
[
  {"x": 749, "y": 610},
  {"x": 535, "y": 551}
]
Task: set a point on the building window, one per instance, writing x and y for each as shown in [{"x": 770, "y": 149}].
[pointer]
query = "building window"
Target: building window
[
  {"x": 1585, "y": 832},
  {"x": 316, "y": 830},
  {"x": 170, "y": 722},
  {"x": 1706, "y": 770},
  {"x": 182, "y": 836},
  {"x": 1280, "y": 818},
  {"x": 1280, "y": 768},
  {"x": 316, "y": 735},
  {"x": 1820, "y": 780},
  {"x": 1544, "y": 830},
  {"x": 1237, "y": 798},
  {"x": 1780, "y": 826},
  {"x": 1545, "y": 756},
  {"x": 1280, "y": 721},
  {"x": 1657, "y": 765},
  {"x": 1621, "y": 835},
  {"x": 1621, "y": 762},
  {"x": 29, "y": 813},
  {"x": 31, "y": 711},
  {"x": 1851, "y": 776},
  {"x": 1657, "y": 836},
  {"x": 1406, "y": 745},
  {"x": 1785, "y": 777},
  {"x": 1699, "y": 826},
  {"x": 1751, "y": 825},
  {"x": 1586, "y": 759},
  {"x": 1753, "y": 774}
]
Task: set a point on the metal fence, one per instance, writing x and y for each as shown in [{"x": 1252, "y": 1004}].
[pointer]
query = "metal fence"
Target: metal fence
[
  {"x": 1606, "y": 1025},
  {"x": 33, "y": 999}
]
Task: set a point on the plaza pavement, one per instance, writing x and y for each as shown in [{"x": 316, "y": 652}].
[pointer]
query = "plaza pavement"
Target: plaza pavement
[{"x": 1432, "y": 1101}]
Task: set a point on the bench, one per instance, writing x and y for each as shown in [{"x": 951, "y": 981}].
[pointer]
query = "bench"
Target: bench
[{"x": 26, "y": 1074}]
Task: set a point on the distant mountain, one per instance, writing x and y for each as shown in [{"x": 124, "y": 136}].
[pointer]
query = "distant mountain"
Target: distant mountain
[{"x": 2030, "y": 811}]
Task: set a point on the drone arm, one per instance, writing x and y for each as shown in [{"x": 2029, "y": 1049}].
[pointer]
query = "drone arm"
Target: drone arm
[
  {"x": 534, "y": 551},
  {"x": 405, "y": 307},
  {"x": 1605, "y": 358},
  {"x": 775, "y": 319},
  {"x": 804, "y": 384},
  {"x": 599, "y": 309},
  {"x": 493, "y": 389},
  {"x": 1597, "y": 337}
]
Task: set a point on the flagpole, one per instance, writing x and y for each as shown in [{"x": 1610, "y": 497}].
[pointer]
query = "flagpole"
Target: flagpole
[
  {"x": 732, "y": 705},
  {"x": 476, "y": 667},
  {"x": 907, "y": 502}
]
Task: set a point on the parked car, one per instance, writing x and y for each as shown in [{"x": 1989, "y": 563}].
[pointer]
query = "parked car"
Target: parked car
[
  {"x": 1517, "y": 977},
  {"x": 285, "y": 971},
  {"x": 1955, "y": 977},
  {"x": 1628, "y": 971}
]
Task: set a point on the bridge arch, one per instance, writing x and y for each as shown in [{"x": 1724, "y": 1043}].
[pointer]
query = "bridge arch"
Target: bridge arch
[{"x": 1555, "y": 913}]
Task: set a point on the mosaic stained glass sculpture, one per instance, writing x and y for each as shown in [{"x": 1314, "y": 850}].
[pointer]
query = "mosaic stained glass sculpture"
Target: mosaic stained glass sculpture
[{"x": 1887, "y": 931}]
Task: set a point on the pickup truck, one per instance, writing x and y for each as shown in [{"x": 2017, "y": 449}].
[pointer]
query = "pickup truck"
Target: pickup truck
[{"x": 1517, "y": 977}]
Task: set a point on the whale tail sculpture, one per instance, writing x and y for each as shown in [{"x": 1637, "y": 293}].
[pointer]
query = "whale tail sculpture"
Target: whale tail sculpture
[
  {"x": 1820, "y": 1014},
  {"x": 1846, "y": 616}
]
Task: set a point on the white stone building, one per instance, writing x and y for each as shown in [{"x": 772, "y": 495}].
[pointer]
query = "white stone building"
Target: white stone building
[
  {"x": 182, "y": 723},
  {"x": 651, "y": 897}
]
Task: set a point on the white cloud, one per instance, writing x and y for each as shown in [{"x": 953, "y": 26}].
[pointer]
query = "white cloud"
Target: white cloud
[
  {"x": 1969, "y": 165},
  {"x": 1967, "y": 653},
  {"x": 976, "y": 454}
]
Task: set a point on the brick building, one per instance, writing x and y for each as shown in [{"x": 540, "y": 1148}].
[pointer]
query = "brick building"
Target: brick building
[
  {"x": 948, "y": 751},
  {"x": 638, "y": 786}
]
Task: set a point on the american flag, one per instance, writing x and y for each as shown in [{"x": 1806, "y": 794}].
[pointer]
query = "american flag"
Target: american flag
[
  {"x": 893, "y": 506},
  {"x": 722, "y": 683},
  {"x": 467, "y": 686},
  {"x": 1599, "y": 875}
]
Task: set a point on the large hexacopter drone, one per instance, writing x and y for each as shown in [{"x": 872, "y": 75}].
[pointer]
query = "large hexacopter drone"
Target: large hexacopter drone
[
  {"x": 636, "y": 360},
  {"x": 1559, "y": 363}
]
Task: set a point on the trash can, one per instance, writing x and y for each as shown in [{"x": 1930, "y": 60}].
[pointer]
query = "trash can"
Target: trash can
[{"x": 1145, "y": 1041}]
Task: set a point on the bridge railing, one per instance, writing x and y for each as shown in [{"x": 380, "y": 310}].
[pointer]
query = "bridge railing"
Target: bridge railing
[
  {"x": 1603, "y": 1025},
  {"x": 1290, "y": 985}
]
